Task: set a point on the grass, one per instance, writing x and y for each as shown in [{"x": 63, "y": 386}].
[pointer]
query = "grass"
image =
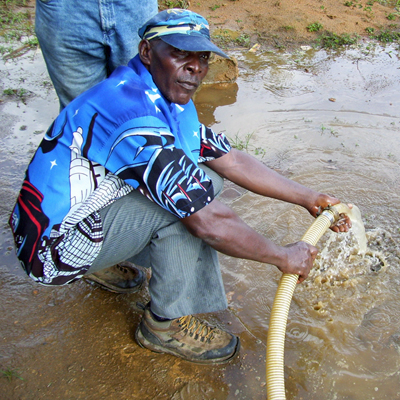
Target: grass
[
  {"x": 16, "y": 26},
  {"x": 21, "y": 94},
  {"x": 331, "y": 40},
  {"x": 176, "y": 4},
  {"x": 244, "y": 144},
  {"x": 239, "y": 143},
  {"x": 16, "y": 19},
  {"x": 288, "y": 28},
  {"x": 385, "y": 36},
  {"x": 215, "y": 7},
  {"x": 243, "y": 40},
  {"x": 226, "y": 38},
  {"x": 330, "y": 130},
  {"x": 10, "y": 373},
  {"x": 17, "y": 92},
  {"x": 315, "y": 27}
]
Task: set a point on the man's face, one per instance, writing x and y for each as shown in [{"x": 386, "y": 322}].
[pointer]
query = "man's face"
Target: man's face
[{"x": 177, "y": 73}]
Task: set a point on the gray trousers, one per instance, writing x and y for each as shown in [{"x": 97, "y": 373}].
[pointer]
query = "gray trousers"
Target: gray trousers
[{"x": 186, "y": 277}]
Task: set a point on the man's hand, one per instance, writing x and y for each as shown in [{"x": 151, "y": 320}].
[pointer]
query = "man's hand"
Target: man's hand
[
  {"x": 322, "y": 201},
  {"x": 300, "y": 259}
]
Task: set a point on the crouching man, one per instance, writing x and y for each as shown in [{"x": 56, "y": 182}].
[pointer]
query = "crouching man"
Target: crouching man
[{"x": 127, "y": 174}]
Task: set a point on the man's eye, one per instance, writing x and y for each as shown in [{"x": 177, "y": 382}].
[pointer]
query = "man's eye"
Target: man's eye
[{"x": 182, "y": 52}]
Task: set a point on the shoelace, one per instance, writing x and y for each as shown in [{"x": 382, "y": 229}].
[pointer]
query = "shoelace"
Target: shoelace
[
  {"x": 196, "y": 328},
  {"x": 122, "y": 269}
]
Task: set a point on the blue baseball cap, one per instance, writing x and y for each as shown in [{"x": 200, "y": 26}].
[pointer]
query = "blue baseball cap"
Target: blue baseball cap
[{"x": 182, "y": 29}]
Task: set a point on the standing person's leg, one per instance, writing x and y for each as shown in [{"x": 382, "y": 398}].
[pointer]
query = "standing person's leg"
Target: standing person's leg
[
  {"x": 71, "y": 39},
  {"x": 84, "y": 41},
  {"x": 123, "y": 39}
]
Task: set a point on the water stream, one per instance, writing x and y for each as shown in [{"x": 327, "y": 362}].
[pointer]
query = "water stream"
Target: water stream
[{"x": 328, "y": 120}]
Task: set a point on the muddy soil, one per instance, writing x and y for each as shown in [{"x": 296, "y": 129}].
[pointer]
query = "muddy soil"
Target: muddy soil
[
  {"x": 283, "y": 23},
  {"x": 77, "y": 342}
]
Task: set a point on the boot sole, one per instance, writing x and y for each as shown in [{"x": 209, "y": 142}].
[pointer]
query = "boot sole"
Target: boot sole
[
  {"x": 144, "y": 343},
  {"x": 111, "y": 288}
]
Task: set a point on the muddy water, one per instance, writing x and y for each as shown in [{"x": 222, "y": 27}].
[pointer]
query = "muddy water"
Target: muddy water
[{"x": 330, "y": 121}]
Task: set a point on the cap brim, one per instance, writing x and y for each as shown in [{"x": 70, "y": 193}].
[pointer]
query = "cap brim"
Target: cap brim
[{"x": 192, "y": 43}]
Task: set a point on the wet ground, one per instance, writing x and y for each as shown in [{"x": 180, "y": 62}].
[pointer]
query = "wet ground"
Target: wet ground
[{"x": 328, "y": 120}]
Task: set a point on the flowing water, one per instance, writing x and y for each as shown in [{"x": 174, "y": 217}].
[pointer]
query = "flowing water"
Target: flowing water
[{"x": 328, "y": 120}]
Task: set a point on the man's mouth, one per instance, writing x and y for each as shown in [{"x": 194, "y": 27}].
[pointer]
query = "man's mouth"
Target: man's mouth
[{"x": 188, "y": 85}]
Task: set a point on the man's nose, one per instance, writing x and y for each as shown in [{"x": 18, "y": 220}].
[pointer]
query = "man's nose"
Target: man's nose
[{"x": 195, "y": 64}]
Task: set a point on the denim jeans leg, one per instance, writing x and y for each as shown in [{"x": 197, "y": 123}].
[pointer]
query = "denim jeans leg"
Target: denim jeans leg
[
  {"x": 123, "y": 39},
  {"x": 72, "y": 44},
  {"x": 78, "y": 38}
]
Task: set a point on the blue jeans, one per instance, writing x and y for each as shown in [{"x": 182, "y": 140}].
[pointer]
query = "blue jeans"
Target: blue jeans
[{"x": 83, "y": 41}]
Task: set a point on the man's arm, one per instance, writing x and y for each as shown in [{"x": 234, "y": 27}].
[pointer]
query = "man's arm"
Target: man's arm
[
  {"x": 223, "y": 230},
  {"x": 249, "y": 173}
]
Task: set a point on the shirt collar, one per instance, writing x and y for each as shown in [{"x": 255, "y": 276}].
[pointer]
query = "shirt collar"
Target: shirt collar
[{"x": 137, "y": 65}]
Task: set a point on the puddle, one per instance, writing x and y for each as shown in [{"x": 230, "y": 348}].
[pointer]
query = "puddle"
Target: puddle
[{"x": 330, "y": 121}]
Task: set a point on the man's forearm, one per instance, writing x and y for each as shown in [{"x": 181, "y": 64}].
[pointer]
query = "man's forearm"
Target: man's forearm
[
  {"x": 249, "y": 173},
  {"x": 223, "y": 230}
]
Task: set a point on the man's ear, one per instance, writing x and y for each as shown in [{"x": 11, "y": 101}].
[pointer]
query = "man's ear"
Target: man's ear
[{"x": 144, "y": 52}]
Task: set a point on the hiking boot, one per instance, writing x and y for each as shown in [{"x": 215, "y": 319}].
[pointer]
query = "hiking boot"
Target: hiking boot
[
  {"x": 120, "y": 278},
  {"x": 188, "y": 338}
]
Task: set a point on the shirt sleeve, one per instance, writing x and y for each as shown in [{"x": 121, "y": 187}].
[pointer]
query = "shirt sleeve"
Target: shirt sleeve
[
  {"x": 146, "y": 157},
  {"x": 212, "y": 145}
]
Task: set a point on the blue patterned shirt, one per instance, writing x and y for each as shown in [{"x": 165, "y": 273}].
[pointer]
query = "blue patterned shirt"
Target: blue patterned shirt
[{"x": 119, "y": 136}]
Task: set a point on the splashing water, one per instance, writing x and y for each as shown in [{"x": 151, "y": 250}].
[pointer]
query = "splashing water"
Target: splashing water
[{"x": 358, "y": 228}]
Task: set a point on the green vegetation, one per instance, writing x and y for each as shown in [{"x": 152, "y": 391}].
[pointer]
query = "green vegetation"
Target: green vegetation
[
  {"x": 240, "y": 144},
  {"x": 223, "y": 38},
  {"x": 368, "y": 7},
  {"x": 10, "y": 374},
  {"x": 16, "y": 23},
  {"x": 226, "y": 37},
  {"x": 329, "y": 130},
  {"x": 18, "y": 92},
  {"x": 215, "y": 6},
  {"x": 21, "y": 93},
  {"x": 330, "y": 40},
  {"x": 315, "y": 27},
  {"x": 176, "y": 3},
  {"x": 17, "y": 26},
  {"x": 259, "y": 151},
  {"x": 387, "y": 36},
  {"x": 244, "y": 144},
  {"x": 243, "y": 40},
  {"x": 15, "y": 19}
]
